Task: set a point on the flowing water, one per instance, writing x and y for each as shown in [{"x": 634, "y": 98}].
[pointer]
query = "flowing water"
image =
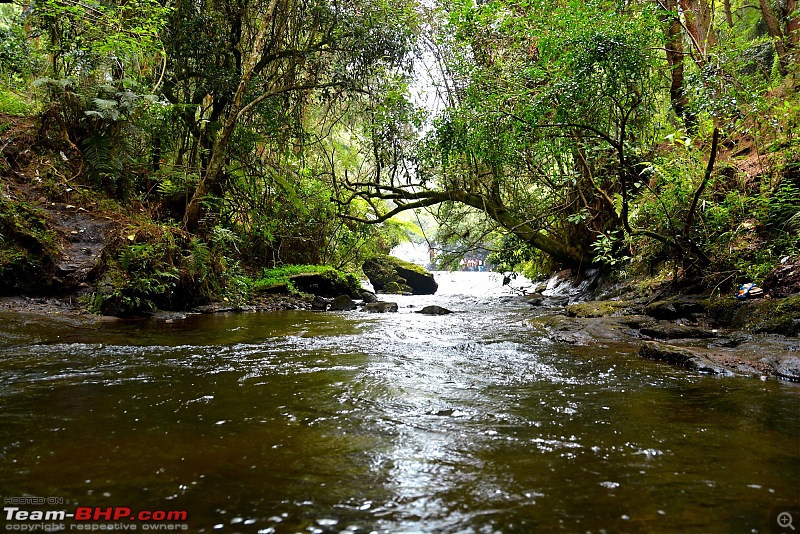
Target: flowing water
[{"x": 331, "y": 422}]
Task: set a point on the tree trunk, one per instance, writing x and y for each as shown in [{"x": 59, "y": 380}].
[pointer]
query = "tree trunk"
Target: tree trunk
[
  {"x": 698, "y": 19},
  {"x": 219, "y": 154},
  {"x": 569, "y": 256},
  {"x": 675, "y": 61},
  {"x": 728, "y": 12},
  {"x": 792, "y": 24},
  {"x": 775, "y": 32}
]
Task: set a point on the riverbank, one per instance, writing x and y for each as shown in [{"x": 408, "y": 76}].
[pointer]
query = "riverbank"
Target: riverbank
[
  {"x": 712, "y": 334},
  {"x": 716, "y": 336}
]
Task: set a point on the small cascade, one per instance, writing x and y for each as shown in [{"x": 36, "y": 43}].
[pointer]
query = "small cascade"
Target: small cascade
[{"x": 563, "y": 285}]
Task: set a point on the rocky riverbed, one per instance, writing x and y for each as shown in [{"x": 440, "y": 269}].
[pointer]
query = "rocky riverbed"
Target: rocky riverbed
[{"x": 716, "y": 335}]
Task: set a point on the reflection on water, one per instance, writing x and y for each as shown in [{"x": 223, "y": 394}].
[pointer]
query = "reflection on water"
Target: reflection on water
[{"x": 322, "y": 422}]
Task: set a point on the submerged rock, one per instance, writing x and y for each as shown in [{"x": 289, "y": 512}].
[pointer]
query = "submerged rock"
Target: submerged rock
[
  {"x": 380, "y": 307},
  {"x": 675, "y": 331},
  {"x": 434, "y": 310},
  {"x": 682, "y": 356},
  {"x": 342, "y": 303},
  {"x": 585, "y": 331}
]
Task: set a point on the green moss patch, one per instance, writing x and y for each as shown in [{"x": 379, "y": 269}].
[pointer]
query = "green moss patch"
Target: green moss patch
[
  {"x": 393, "y": 275},
  {"x": 319, "y": 280},
  {"x": 600, "y": 308},
  {"x": 28, "y": 248},
  {"x": 774, "y": 316}
]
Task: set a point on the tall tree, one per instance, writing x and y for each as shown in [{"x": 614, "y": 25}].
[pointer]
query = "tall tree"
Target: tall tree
[
  {"x": 279, "y": 57},
  {"x": 675, "y": 55},
  {"x": 778, "y": 38},
  {"x": 537, "y": 88},
  {"x": 699, "y": 20}
]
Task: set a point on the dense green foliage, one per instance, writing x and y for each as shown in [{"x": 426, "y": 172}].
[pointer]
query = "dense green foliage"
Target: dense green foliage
[
  {"x": 248, "y": 135},
  {"x": 597, "y": 134}
]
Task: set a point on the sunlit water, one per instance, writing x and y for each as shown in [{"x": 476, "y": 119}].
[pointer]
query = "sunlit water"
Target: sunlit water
[{"x": 330, "y": 422}]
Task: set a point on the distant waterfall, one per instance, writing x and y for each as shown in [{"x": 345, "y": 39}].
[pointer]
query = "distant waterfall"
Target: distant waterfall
[{"x": 413, "y": 252}]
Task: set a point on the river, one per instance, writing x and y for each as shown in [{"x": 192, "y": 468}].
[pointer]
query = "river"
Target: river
[{"x": 352, "y": 422}]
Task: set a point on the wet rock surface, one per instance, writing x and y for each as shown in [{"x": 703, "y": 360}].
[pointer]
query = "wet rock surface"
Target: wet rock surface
[
  {"x": 691, "y": 359},
  {"x": 764, "y": 316},
  {"x": 83, "y": 236},
  {"x": 698, "y": 345},
  {"x": 342, "y": 303},
  {"x": 669, "y": 330},
  {"x": 674, "y": 308},
  {"x": 391, "y": 275},
  {"x": 788, "y": 368},
  {"x": 380, "y": 307},
  {"x": 434, "y": 310}
]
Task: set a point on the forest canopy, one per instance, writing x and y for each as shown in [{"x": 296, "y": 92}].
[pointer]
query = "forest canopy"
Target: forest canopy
[{"x": 624, "y": 135}]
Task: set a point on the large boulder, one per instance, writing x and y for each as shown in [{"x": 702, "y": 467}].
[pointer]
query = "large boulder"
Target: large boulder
[
  {"x": 327, "y": 284},
  {"x": 388, "y": 274}
]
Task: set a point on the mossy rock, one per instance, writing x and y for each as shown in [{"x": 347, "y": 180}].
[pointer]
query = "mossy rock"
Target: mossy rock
[
  {"x": 723, "y": 311},
  {"x": 381, "y": 273},
  {"x": 319, "y": 280},
  {"x": 674, "y": 308},
  {"x": 393, "y": 275},
  {"x": 28, "y": 249},
  {"x": 396, "y": 288},
  {"x": 598, "y": 308},
  {"x": 772, "y": 316},
  {"x": 150, "y": 267},
  {"x": 330, "y": 284}
]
